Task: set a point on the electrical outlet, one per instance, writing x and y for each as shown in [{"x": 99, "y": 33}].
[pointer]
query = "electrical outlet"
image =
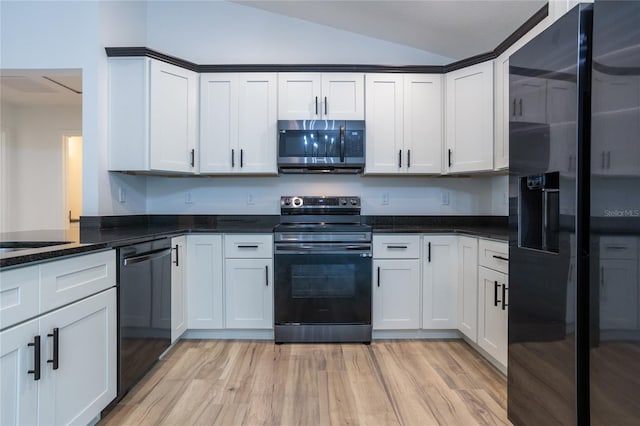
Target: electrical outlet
[
  {"x": 122, "y": 195},
  {"x": 385, "y": 199},
  {"x": 250, "y": 199},
  {"x": 444, "y": 198},
  {"x": 187, "y": 198}
]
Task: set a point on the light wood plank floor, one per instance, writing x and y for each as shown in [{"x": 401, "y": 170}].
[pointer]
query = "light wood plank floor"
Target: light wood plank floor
[{"x": 406, "y": 382}]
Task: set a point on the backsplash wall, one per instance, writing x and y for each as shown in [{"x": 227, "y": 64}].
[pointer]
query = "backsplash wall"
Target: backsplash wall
[{"x": 480, "y": 195}]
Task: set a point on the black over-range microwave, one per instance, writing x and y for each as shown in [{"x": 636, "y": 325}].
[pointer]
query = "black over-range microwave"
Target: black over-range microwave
[{"x": 321, "y": 146}]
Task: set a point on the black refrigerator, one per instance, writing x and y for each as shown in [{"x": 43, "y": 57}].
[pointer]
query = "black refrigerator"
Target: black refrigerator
[{"x": 574, "y": 220}]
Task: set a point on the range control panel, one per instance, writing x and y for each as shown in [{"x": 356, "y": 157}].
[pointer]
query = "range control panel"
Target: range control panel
[{"x": 326, "y": 203}]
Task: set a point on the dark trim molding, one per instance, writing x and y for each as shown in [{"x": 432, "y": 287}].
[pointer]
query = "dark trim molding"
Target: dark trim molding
[
  {"x": 113, "y": 52},
  {"x": 524, "y": 28}
]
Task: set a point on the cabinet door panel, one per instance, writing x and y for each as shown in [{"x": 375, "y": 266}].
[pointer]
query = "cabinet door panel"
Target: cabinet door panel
[
  {"x": 218, "y": 122},
  {"x": 423, "y": 123},
  {"x": 299, "y": 96},
  {"x": 469, "y": 118},
  {"x": 384, "y": 117},
  {"x": 492, "y": 318},
  {"x": 396, "y": 294},
  {"x": 502, "y": 113},
  {"x": 257, "y": 123},
  {"x": 249, "y": 293},
  {"x": 173, "y": 117},
  {"x": 19, "y": 295},
  {"x": 468, "y": 286},
  {"x": 440, "y": 275},
  {"x": 19, "y": 390},
  {"x": 204, "y": 281},
  {"x": 85, "y": 381},
  {"x": 343, "y": 96},
  {"x": 178, "y": 288}
]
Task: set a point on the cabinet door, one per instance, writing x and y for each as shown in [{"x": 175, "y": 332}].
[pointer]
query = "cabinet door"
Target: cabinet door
[
  {"x": 173, "y": 127},
  {"x": 249, "y": 293},
  {"x": 204, "y": 281},
  {"x": 85, "y": 380},
  {"x": 439, "y": 282},
  {"x": 493, "y": 313},
  {"x": 178, "y": 288},
  {"x": 384, "y": 117},
  {"x": 468, "y": 286},
  {"x": 618, "y": 294},
  {"x": 299, "y": 96},
  {"x": 219, "y": 123},
  {"x": 616, "y": 124},
  {"x": 469, "y": 119},
  {"x": 502, "y": 113},
  {"x": 342, "y": 96},
  {"x": 396, "y": 294},
  {"x": 423, "y": 123},
  {"x": 257, "y": 123},
  {"x": 19, "y": 389}
]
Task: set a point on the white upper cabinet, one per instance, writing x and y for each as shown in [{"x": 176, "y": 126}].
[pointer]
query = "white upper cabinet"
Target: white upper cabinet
[
  {"x": 316, "y": 96},
  {"x": 238, "y": 123},
  {"x": 502, "y": 113},
  {"x": 404, "y": 123},
  {"x": 469, "y": 119},
  {"x": 153, "y": 116},
  {"x": 384, "y": 121}
]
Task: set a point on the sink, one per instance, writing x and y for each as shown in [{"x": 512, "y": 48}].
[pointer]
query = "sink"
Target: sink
[{"x": 11, "y": 246}]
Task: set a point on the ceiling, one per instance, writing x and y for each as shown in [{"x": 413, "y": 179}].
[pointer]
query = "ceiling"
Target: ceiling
[
  {"x": 456, "y": 29},
  {"x": 41, "y": 87}
]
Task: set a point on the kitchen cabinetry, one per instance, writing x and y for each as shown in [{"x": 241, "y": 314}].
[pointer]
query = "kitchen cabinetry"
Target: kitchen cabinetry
[
  {"x": 204, "y": 282},
  {"x": 60, "y": 367},
  {"x": 153, "y": 110},
  {"x": 404, "y": 123},
  {"x": 248, "y": 281},
  {"x": 618, "y": 278},
  {"x": 468, "y": 286},
  {"x": 615, "y": 116},
  {"x": 317, "y": 96},
  {"x": 178, "y": 288},
  {"x": 469, "y": 119},
  {"x": 439, "y": 281},
  {"x": 396, "y": 282},
  {"x": 238, "y": 123},
  {"x": 502, "y": 113},
  {"x": 493, "y": 287}
]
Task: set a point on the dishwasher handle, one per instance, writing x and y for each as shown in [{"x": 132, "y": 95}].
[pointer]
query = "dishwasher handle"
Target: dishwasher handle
[{"x": 146, "y": 256}]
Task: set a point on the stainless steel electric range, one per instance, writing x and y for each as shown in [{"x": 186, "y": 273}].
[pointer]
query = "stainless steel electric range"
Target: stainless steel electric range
[{"x": 322, "y": 266}]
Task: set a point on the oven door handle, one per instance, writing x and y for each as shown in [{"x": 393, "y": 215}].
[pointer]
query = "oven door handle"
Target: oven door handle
[{"x": 148, "y": 256}]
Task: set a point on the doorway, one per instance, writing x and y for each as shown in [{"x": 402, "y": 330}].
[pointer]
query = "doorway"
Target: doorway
[{"x": 72, "y": 148}]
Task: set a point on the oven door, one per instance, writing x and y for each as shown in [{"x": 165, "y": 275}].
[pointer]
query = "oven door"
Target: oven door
[{"x": 322, "y": 283}]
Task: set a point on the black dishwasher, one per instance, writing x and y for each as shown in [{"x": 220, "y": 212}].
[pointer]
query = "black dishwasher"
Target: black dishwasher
[{"x": 144, "y": 309}]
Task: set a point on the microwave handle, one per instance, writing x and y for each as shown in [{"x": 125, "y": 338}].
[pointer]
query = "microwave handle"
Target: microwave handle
[{"x": 342, "y": 144}]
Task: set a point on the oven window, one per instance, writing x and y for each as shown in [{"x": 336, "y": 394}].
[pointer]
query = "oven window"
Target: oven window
[{"x": 323, "y": 281}]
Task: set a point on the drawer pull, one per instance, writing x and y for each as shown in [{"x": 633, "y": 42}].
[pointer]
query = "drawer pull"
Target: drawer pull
[
  {"x": 253, "y": 246},
  {"x": 616, "y": 247},
  {"x": 506, "y": 259},
  {"x": 396, "y": 247}
]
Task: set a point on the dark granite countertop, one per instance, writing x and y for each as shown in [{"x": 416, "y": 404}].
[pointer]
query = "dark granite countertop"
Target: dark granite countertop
[{"x": 97, "y": 233}]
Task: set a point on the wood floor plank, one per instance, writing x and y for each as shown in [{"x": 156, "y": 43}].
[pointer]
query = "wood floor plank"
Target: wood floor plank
[{"x": 412, "y": 382}]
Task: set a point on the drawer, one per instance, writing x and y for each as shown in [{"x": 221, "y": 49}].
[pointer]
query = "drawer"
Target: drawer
[
  {"x": 70, "y": 279},
  {"x": 493, "y": 255},
  {"x": 618, "y": 248},
  {"x": 255, "y": 246},
  {"x": 19, "y": 295},
  {"x": 396, "y": 246}
]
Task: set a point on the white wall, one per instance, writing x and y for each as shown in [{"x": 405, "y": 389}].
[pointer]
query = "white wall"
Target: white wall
[
  {"x": 35, "y": 159},
  {"x": 407, "y": 195},
  {"x": 216, "y": 32}
]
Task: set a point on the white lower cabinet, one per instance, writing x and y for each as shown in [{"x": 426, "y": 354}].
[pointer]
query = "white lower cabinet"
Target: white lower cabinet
[
  {"x": 248, "y": 281},
  {"x": 204, "y": 282},
  {"x": 493, "y": 314},
  {"x": 249, "y": 293},
  {"x": 178, "y": 288},
  {"x": 468, "y": 286},
  {"x": 439, "y": 281},
  {"x": 396, "y": 282},
  {"x": 81, "y": 384}
]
